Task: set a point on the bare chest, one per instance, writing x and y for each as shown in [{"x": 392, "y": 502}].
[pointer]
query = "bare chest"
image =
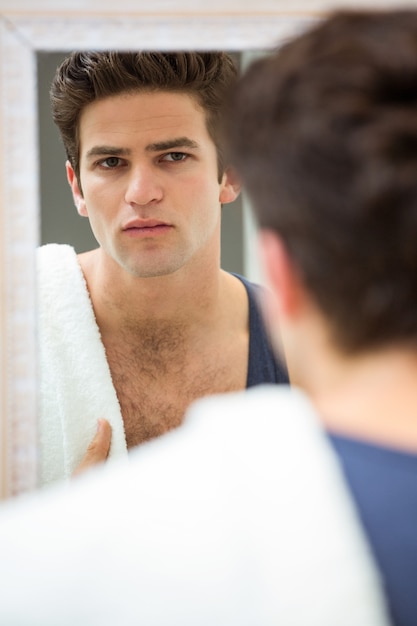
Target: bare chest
[{"x": 156, "y": 386}]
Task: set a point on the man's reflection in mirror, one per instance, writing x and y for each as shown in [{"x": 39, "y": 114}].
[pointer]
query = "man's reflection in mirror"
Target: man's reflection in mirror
[{"x": 134, "y": 330}]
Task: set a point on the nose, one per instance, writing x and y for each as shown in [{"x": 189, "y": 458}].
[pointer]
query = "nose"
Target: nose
[{"x": 143, "y": 187}]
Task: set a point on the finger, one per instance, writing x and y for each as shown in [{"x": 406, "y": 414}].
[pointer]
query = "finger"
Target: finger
[{"x": 98, "y": 450}]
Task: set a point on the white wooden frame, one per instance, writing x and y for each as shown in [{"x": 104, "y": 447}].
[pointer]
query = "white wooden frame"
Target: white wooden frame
[{"x": 22, "y": 35}]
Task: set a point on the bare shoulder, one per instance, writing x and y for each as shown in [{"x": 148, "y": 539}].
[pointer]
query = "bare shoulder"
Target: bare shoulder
[{"x": 235, "y": 300}]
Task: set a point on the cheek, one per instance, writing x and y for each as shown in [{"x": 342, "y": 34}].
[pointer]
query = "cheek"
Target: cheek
[
  {"x": 202, "y": 196},
  {"x": 100, "y": 199}
]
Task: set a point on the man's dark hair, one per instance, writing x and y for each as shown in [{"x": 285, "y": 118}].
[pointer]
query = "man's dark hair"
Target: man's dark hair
[
  {"x": 324, "y": 134},
  {"x": 85, "y": 77}
]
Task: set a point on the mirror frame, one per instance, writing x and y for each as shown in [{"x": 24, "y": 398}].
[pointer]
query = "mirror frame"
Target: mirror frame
[{"x": 22, "y": 35}]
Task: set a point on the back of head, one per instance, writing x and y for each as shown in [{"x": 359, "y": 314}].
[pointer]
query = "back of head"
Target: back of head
[
  {"x": 85, "y": 77},
  {"x": 324, "y": 133}
]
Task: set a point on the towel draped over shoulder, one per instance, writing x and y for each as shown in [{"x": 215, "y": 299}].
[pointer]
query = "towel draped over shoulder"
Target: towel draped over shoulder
[{"x": 76, "y": 387}]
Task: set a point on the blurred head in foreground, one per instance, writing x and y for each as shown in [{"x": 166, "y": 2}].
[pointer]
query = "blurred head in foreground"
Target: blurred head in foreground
[{"x": 324, "y": 135}]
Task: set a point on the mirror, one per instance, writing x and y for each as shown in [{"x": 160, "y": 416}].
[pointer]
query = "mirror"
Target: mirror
[
  {"x": 23, "y": 35},
  {"x": 59, "y": 220}
]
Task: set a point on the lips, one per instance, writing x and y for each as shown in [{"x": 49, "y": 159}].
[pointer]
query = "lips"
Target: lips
[
  {"x": 144, "y": 224},
  {"x": 146, "y": 229}
]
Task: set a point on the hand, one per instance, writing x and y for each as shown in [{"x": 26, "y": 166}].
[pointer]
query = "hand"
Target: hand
[{"x": 98, "y": 450}]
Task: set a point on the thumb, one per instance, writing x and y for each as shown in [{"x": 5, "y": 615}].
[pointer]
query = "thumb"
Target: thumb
[{"x": 99, "y": 447}]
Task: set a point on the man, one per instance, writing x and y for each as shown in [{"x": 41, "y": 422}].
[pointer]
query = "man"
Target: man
[
  {"x": 256, "y": 511},
  {"x": 329, "y": 156},
  {"x": 138, "y": 328}
]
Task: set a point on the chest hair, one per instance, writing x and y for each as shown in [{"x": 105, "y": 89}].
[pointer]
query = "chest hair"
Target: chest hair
[{"x": 157, "y": 374}]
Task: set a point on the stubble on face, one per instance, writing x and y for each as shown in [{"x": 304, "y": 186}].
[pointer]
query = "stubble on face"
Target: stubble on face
[{"x": 190, "y": 202}]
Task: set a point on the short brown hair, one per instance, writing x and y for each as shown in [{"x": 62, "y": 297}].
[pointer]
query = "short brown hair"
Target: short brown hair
[
  {"x": 324, "y": 134},
  {"x": 84, "y": 77}
]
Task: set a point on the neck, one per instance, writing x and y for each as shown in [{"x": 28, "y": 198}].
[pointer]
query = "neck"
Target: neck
[
  {"x": 190, "y": 296},
  {"x": 372, "y": 396}
]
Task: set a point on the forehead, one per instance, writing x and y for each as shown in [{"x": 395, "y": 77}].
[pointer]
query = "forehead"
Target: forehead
[{"x": 147, "y": 116}]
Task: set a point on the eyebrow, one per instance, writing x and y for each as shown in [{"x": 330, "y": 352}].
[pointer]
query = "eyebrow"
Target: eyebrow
[
  {"x": 113, "y": 150},
  {"x": 169, "y": 144}
]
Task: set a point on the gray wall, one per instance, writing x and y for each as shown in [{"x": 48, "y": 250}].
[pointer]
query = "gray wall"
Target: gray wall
[{"x": 60, "y": 222}]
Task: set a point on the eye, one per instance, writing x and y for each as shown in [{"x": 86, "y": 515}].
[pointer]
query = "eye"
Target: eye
[
  {"x": 175, "y": 156},
  {"x": 110, "y": 162}
]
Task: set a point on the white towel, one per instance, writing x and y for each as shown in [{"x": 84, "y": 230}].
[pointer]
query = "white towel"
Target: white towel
[
  {"x": 75, "y": 381},
  {"x": 241, "y": 517}
]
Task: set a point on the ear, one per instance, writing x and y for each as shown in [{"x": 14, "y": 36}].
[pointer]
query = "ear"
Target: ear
[
  {"x": 282, "y": 276},
  {"x": 76, "y": 192},
  {"x": 229, "y": 186}
]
